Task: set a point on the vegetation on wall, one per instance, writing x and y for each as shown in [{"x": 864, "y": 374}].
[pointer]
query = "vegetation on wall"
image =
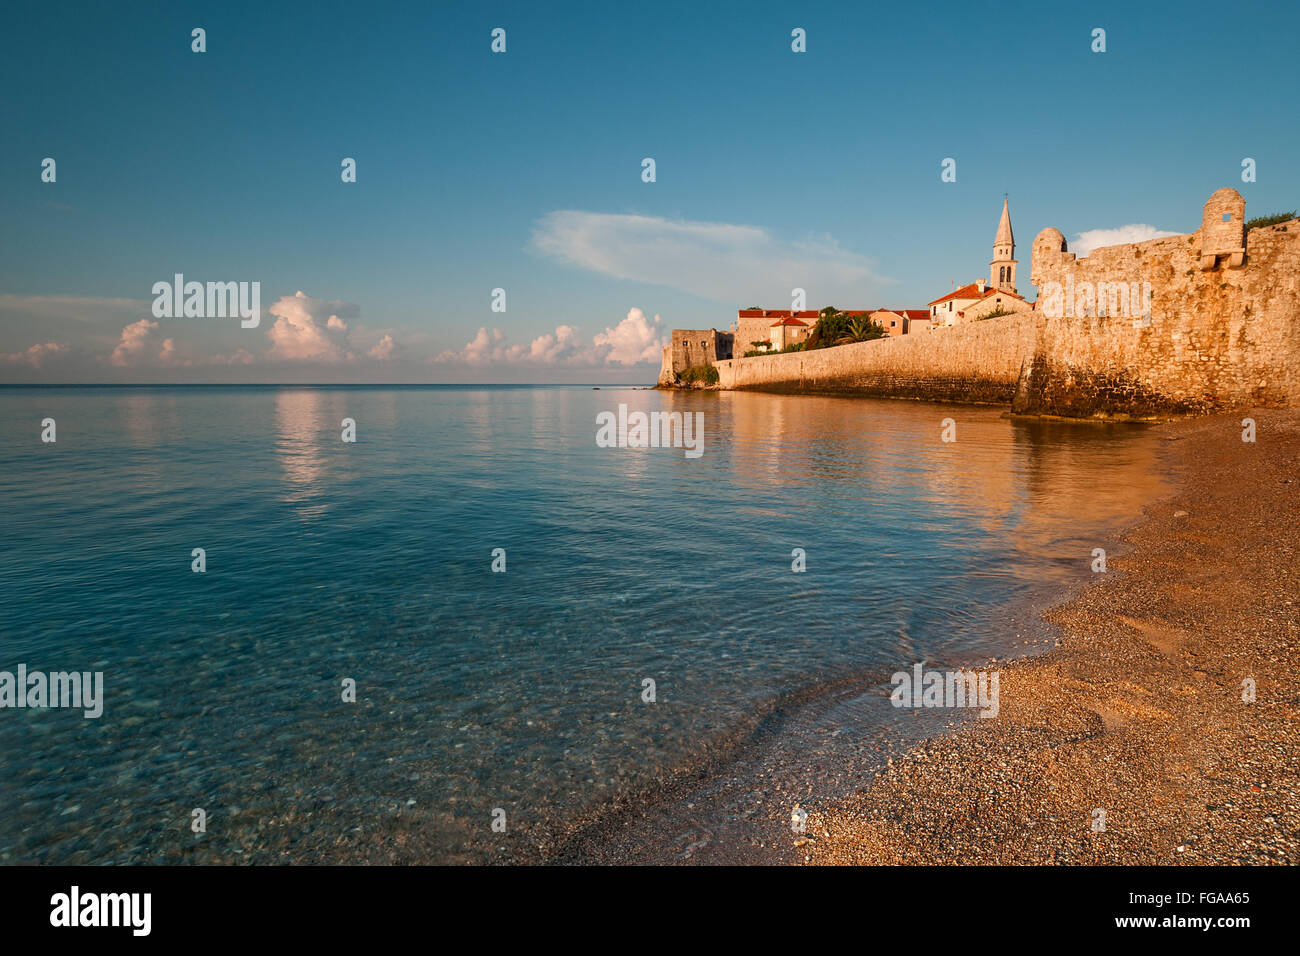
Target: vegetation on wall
[
  {"x": 792, "y": 347},
  {"x": 836, "y": 328},
  {"x": 1272, "y": 220},
  {"x": 698, "y": 373}
]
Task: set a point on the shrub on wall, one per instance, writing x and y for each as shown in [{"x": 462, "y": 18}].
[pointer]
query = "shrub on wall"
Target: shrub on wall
[
  {"x": 1272, "y": 220},
  {"x": 699, "y": 373}
]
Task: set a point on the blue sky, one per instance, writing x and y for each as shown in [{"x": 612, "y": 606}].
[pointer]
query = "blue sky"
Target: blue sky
[{"x": 522, "y": 170}]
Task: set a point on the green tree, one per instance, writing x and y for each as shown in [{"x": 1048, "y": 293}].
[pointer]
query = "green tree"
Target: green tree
[
  {"x": 831, "y": 324},
  {"x": 836, "y": 328},
  {"x": 861, "y": 329}
]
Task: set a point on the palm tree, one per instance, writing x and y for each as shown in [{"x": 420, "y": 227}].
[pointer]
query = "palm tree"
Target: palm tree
[{"x": 860, "y": 329}]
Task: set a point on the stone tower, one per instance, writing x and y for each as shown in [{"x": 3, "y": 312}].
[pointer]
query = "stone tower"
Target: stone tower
[
  {"x": 1223, "y": 230},
  {"x": 1002, "y": 270}
]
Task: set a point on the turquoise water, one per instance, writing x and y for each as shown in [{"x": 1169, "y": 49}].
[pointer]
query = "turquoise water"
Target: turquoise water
[{"x": 479, "y": 690}]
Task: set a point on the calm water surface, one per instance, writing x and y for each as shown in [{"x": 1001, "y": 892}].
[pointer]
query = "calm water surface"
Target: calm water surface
[{"x": 478, "y": 690}]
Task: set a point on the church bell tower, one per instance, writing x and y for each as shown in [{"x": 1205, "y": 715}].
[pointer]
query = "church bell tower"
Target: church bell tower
[{"x": 1002, "y": 270}]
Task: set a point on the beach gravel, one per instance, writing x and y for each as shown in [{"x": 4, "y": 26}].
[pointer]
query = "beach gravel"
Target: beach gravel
[{"x": 1140, "y": 713}]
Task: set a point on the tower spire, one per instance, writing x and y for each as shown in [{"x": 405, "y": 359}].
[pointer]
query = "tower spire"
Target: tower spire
[
  {"x": 1004, "y": 236},
  {"x": 1002, "y": 270}
]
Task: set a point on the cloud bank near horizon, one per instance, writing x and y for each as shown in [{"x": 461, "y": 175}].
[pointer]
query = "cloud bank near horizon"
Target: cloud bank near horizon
[
  {"x": 93, "y": 339},
  {"x": 84, "y": 333},
  {"x": 636, "y": 340}
]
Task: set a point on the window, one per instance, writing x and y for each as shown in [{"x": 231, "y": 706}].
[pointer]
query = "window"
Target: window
[{"x": 1227, "y": 217}]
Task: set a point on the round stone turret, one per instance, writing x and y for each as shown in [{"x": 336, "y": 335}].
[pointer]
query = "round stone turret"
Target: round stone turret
[
  {"x": 1223, "y": 229},
  {"x": 1049, "y": 248}
]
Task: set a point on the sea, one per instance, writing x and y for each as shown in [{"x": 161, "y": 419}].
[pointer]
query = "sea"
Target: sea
[{"x": 474, "y": 634}]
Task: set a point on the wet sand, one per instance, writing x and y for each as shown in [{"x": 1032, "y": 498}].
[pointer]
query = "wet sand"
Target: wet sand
[{"x": 1138, "y": 712}]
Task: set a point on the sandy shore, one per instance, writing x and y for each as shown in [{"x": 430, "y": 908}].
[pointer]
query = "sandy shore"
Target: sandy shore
[{"x": 1139, "y": 712}]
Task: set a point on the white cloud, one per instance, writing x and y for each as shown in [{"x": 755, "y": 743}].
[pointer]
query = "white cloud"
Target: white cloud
[
  {"x": 302, "y": 328},
  {"x": 719, "y": 261},
  {"x": 1091, "y": 239},
  {"x": 120, "y": 333},
  {"x": 168, "y": 354},
  {"x": 134, "y": 343},
  {"x": 634, "y": 340},
  {"x": 35, "y": 355},
  {"x": 491, "y": 348}
]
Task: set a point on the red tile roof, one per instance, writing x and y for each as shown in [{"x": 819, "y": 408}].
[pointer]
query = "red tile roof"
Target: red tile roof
[
  {"x": 972, "y": 291},
  {"x": 787, "y": 314},
  {"x": 789, "y": 322}
]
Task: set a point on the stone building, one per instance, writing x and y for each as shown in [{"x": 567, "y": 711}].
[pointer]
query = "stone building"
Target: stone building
[
  {"x": 901, "y": 321},
  {"x": 786, "y": 332},
  {"x": 973, "y": 302},
  {"x": 755, "y": 325}
]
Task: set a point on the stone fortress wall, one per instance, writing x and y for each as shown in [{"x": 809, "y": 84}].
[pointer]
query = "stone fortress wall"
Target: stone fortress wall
[
  {"x": 978, "y": 362},
  {"x": 1223, "y": 330}
]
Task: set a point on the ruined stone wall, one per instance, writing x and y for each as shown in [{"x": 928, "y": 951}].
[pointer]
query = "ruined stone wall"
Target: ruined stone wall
[
  {"x": 979, "y": 362},
  {"x": 1217, "y": 336}
]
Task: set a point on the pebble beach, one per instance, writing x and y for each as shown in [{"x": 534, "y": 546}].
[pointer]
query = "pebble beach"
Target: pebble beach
[{"x": 1140, "y": 712}]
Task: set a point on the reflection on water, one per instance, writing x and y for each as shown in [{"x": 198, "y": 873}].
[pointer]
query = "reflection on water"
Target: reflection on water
[
  {"x": 298, "y": 417},
  {"x": 476, "y": 689}
]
